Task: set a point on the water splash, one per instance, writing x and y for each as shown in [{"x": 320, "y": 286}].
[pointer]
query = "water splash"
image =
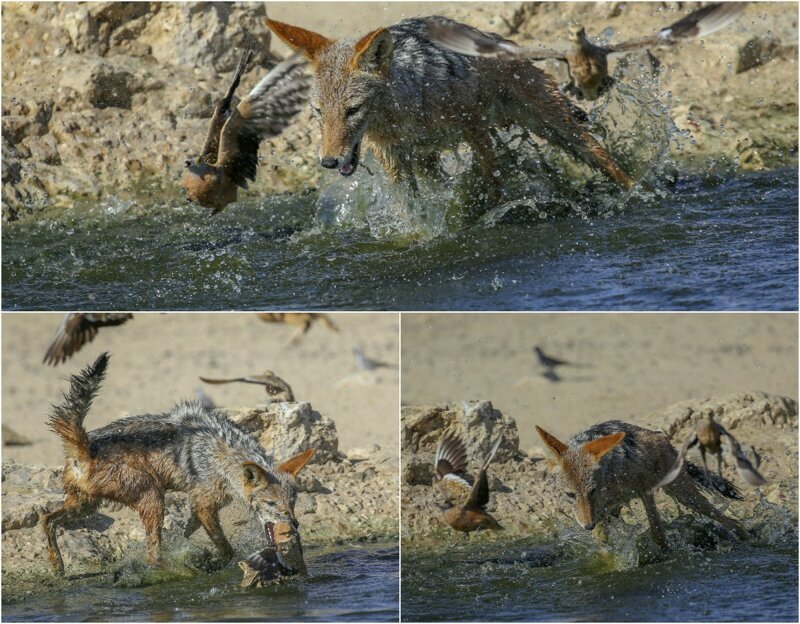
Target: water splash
[{"x": 539, "y": 181}]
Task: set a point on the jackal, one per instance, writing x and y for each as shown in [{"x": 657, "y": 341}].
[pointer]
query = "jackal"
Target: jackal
[
  {"x": 135, "y": 460},
  {"x": 411, "y": 98},
  {"x": 609, "y": 464}
]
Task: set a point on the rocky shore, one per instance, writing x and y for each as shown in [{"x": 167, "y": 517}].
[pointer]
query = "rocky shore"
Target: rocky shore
[
  {"x": 525, "y": 498},
  {"x": 108, "y": 99},
  {"x": 343, "y": 498}
]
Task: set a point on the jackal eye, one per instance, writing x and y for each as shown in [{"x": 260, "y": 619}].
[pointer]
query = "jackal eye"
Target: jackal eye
[
  {"x": 352, "y": 111},
  {"x": 316, "y": 110},
  {"x": 570, "y": 495}
]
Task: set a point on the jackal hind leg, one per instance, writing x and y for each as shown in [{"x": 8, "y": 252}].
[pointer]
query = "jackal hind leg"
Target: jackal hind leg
[
  {"x": 208, "y": 516},
  {"x": 74, "y": 508},
  {"x": 151, "y": 511},
  {"x": 654, "y": 519},
  {"x": 719, "y": 461},
  {"x": 685, "y": 491}
]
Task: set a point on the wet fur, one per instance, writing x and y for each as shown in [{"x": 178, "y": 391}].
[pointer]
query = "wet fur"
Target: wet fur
[
  {"x": 629, "y": 468},
  {"x": 136, "y": 460}
]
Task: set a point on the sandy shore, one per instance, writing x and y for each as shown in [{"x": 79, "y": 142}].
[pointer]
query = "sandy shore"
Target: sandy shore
[
  {"x": 156, "y": 359},
  {"x": 630, "y": 364}
]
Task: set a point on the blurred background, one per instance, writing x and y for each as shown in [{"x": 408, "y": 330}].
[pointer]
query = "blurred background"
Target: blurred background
[
  {"x": 621, "y": 366},
  {"x": 156, "y": 360}
]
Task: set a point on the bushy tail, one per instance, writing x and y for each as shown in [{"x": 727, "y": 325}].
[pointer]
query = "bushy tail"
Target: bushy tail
[
  {"x": 713, "y": 482},
  {"x": 66, "y": 419}
]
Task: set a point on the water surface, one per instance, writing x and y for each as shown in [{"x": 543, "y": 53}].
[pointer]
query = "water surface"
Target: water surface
[
  {"x": 346, "y": 584},
  {"x": 722, "y": 245}
]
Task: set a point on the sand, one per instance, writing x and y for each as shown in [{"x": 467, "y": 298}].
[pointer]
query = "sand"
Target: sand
[
  {"x": 156, "y": 359},
  {"x": 631, "y": 364}
]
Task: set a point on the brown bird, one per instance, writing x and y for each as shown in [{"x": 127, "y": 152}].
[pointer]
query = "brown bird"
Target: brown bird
[
  {"x": 230, "y": 154},
  {"x": 467, "y": 511},
  {"x": 76, "y": 329},
  {"x": 301, "y": 320},
  {"x": 587, "y": 63},
  {"x": 710, "y": 436},
  {"x": 277, "y": 389}
]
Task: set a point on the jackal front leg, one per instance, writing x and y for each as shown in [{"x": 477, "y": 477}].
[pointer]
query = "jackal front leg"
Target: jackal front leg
[{"x": 209, "y": 519}]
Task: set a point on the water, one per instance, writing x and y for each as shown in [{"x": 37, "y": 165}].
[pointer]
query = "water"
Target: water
[
  {"x": 707, "y": 245},
  {"x": 346, "y": 584},
  {"x": 528, "y": 582}
]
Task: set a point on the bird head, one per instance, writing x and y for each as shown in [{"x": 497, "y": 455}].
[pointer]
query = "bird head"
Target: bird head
[{"x": 577, "y": 33}]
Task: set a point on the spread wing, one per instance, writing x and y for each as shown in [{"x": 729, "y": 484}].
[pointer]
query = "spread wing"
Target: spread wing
[
  {"x": 450, "y": 463},
  {"x": 700, "y": 23},
  {"x": 264, "y": 113},
  {"x": 675, "y": 470},
  {"x": 75, "y": 330},
  {"x": 222, "y": 111},
  {"x": 745, "y": 469},
  {"x": 479, "y": 496},
  {"x": 470, "y": 41}
]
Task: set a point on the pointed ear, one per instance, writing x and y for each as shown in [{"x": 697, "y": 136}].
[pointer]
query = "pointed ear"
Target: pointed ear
[
  {"x": 599, "y": 447},
  {"x": 254, "y": 475},
  {"x": 553, "y": 443},
  {"x": 310, "y": 43},
  {"x": 373, "y": 52},
  {"x": 296, "y": 463}
]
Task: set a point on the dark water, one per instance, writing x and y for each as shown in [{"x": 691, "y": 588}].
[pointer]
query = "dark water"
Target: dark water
[
  {"x": 525, "y": 582},
  {"x": 727, "y": 244},
  {"x": 347, "y": 584}
]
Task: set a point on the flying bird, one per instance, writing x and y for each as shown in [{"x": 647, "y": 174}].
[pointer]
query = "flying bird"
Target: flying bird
[
  {"x": 230, "y": 153},
  {"x": 710, "y": 436},
  {"x": 78, "y": 328},
  {"x": 302, "y": 320},
  {"x": 366, "y": 363},
  {"x": 587, "y": 63},
  {"x": 277, "y": 389},
  {"x": 467, "y": 502}
]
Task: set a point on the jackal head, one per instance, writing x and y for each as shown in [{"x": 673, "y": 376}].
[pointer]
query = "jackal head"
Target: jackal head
[
  {"x": 272, "y": 495},
  {"x": 578, "y": 473},
  {"x": 350, "y": 79}
]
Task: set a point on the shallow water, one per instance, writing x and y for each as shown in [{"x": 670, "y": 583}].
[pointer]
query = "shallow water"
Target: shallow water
[
  {"x": 527, "y": 582},
  {"x": 347, "y": 584},
  {"x": 705, "y": 245}
]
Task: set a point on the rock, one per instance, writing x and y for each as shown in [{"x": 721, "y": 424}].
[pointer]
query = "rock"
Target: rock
[
  {"x": 286, "y": 429},
  {"x": 418, "y": 472},
  {"x": 476, "y": 422}
]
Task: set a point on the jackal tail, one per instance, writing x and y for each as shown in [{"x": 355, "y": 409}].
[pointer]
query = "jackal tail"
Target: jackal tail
[
  {"x": 66, "y": 419},
  {"x": 713, "y": 482}
]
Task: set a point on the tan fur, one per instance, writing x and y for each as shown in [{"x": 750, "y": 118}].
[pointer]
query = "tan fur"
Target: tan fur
[
  {"x": 139, "y": 479},
  {"x": 595, "y": 497},
  {"x": 296, "y": 38},
  {"x": 404, "y": 132},
  {"x": 302, "y": 320}
]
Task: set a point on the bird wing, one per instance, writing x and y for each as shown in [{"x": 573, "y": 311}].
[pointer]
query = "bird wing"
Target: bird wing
[
  {"x": 479, "y": 496},
  {"x": 264, "y": 113},
  {"x": 222, "y": 111},
  {"x": 745, "y": 469},
  {"x": 675, "y": 470},
  {"x": 75, "y": 330},
  {"x": 493, "y": 452},
  {"x": 470, "y": 41},
  {"x": 700, "y": 23},
  {"x": 222, "y": 381},
  {"x": 451, "y": 456}
]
